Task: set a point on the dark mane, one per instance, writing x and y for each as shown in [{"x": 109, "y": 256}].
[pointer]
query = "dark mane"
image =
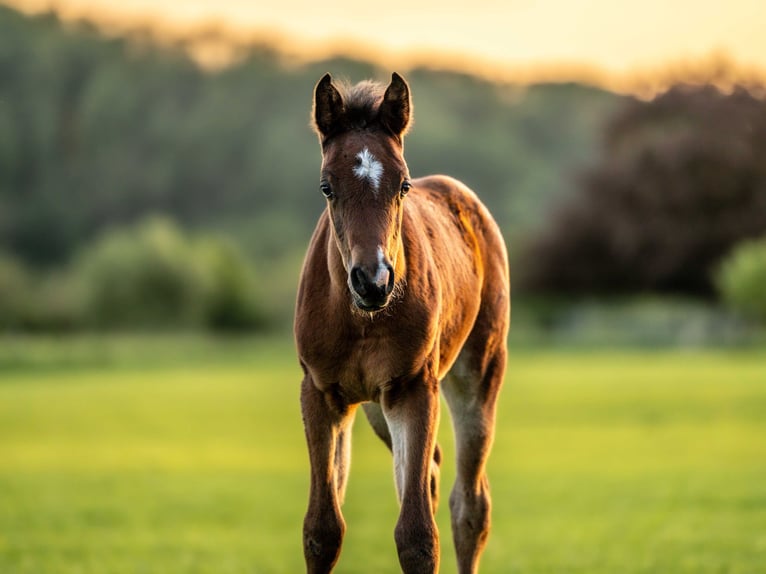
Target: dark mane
[
  {"x": 360, "y": 110},
  {"x": 362, "y": 103}
]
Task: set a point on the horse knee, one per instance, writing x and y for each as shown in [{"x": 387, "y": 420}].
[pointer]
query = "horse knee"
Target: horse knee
[
  {"x": 322, "y": 540},
  {"x": 418, "y": 548}
]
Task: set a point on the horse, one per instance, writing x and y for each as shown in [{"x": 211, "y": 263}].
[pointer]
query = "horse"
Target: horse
[{"x": 404, "y": 291}]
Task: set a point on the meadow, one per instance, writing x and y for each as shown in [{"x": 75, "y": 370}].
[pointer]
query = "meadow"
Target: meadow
[{"x": 167, "y": 455}]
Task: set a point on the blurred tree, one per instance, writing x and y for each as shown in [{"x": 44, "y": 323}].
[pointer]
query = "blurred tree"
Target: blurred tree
[
  {"x": 742, "y": 279},
  {"x": 155, "y": 275},
  {"x": 14, "y": 293},
  {"x": 230, "y": 299},
  {"x": 681, "y": 180},
  {"x": 97, "y": 131},
  {"x": 146, "y": 276}
]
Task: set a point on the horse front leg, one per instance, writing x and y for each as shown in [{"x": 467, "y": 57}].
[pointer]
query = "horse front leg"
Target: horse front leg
[
  {"x": 374, "y": 414},
  {"x": 326, "y": 421},
  {"x": 412, "y": 413}
]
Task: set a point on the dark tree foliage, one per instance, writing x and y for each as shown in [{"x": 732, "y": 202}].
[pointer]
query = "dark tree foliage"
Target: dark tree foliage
[
  {"x": 97, "y": 131},
  {"x": 681, "y": 180}
]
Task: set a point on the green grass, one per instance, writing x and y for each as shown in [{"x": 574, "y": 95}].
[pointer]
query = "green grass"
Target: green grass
[{"x": 114, "y": 459}]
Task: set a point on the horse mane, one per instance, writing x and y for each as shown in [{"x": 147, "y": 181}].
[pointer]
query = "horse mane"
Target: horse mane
[
  {"x": 362, "y": 102},
  {"x": 361, "y": 105}
]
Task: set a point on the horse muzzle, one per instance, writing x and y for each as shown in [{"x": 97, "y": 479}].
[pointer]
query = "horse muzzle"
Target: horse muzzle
[{"x": 371, "y": 292}]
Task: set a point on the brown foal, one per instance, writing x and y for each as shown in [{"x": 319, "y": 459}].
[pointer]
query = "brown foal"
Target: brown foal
[{"x": 404, "y": 290}]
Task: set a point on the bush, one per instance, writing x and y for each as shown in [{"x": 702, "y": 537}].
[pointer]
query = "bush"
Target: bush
[
  {"x": 142, "y": 277},
  {"x": 14, "y": 292},
  {"x": 742, "y": 279},
  {"x": 56, "y": 303},
  {"x": 155, "y": 276},
  {"x": 681, "y": 182},
  {"x": 230, "y": 301},
  {"x": 32, "y": 301}
]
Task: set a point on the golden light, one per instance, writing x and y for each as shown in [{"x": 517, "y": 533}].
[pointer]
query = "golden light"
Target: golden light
[{"x": 621, "y": 45}]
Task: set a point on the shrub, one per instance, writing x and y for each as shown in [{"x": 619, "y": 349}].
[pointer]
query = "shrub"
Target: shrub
[
  {"x": 230, "y": 301},
  {"x": 14, "y": 292},
  {"x": 55, "y": 303},
  {"x": 147, "y": 276},
  {"x": 742, "y": 279},
  {"x": 681, "y": 181},
  {"x": 154, "y": 275},
  {"x": 36, "y": 301}
]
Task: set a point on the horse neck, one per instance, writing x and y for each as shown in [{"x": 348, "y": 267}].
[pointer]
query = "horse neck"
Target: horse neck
[{"x": 336, "y": 270}]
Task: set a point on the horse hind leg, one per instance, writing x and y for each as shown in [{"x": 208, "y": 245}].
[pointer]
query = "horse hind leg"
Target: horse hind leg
[
  {"x": 471, "y": 395},
  {"x": 374, "y": 414}
]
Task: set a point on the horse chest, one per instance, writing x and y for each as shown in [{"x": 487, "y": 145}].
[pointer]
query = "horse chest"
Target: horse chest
[
  {"x": 362, "y": 369},
  {"x": 369, "y": 368}
]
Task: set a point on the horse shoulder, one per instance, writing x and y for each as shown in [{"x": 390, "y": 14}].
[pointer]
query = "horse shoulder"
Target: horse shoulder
[{"x": 311, "y": 326}]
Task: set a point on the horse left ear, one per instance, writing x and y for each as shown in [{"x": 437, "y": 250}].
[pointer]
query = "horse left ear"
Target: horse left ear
[{"x": 396, "y": 108}]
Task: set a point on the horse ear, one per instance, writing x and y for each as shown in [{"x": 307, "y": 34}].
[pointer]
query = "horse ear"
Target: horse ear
[
  {"x": 396, "y": 108},
  {"x": 328, "y": 106}
]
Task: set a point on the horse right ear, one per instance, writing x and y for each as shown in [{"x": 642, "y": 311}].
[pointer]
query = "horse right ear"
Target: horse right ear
[{"x": 328, "y": 106}]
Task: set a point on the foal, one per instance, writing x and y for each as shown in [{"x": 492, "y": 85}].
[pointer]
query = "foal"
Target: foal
[{"x": 404, "y": 290}]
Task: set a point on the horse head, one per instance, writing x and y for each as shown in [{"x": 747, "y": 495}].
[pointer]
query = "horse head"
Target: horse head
[{"x": 364, "y": 179}]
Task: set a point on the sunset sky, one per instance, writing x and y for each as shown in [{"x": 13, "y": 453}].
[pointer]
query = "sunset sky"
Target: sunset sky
[{"x": 612, "y": 37}]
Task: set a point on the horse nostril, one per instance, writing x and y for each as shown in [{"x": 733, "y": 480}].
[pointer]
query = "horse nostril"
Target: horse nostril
[
  {"x": 390, "y": 284},
  {"x": 359, "y": 281}
]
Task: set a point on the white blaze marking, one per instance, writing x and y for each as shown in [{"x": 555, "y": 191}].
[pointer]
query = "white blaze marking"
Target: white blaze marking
[
  {"x": 369, "y": 168},
  {"x": 379, "y": 274}
]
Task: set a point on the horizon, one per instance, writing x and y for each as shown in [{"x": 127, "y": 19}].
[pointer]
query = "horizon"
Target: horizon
[{"x": 722, "y": 46}]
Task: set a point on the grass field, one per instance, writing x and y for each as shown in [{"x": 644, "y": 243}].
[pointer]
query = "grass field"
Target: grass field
[{"x": 160, "y": 456}]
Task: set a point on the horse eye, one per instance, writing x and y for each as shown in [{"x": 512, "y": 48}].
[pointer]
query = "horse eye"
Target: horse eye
[
  {"x": 406, "y": 186},
  {"x": 326, "y": 190}
]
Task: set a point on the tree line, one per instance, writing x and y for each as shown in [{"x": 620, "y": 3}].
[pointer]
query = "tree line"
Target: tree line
[{"x": 595, "y": 192}]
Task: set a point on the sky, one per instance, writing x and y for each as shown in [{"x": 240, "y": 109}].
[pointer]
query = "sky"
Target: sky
[{"x": 608, "y": 38}]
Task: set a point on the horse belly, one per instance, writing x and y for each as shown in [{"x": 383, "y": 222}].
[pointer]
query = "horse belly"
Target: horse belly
[
  {"x": 460, "y": 303},
  {"x": 455, "y": 332}
]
